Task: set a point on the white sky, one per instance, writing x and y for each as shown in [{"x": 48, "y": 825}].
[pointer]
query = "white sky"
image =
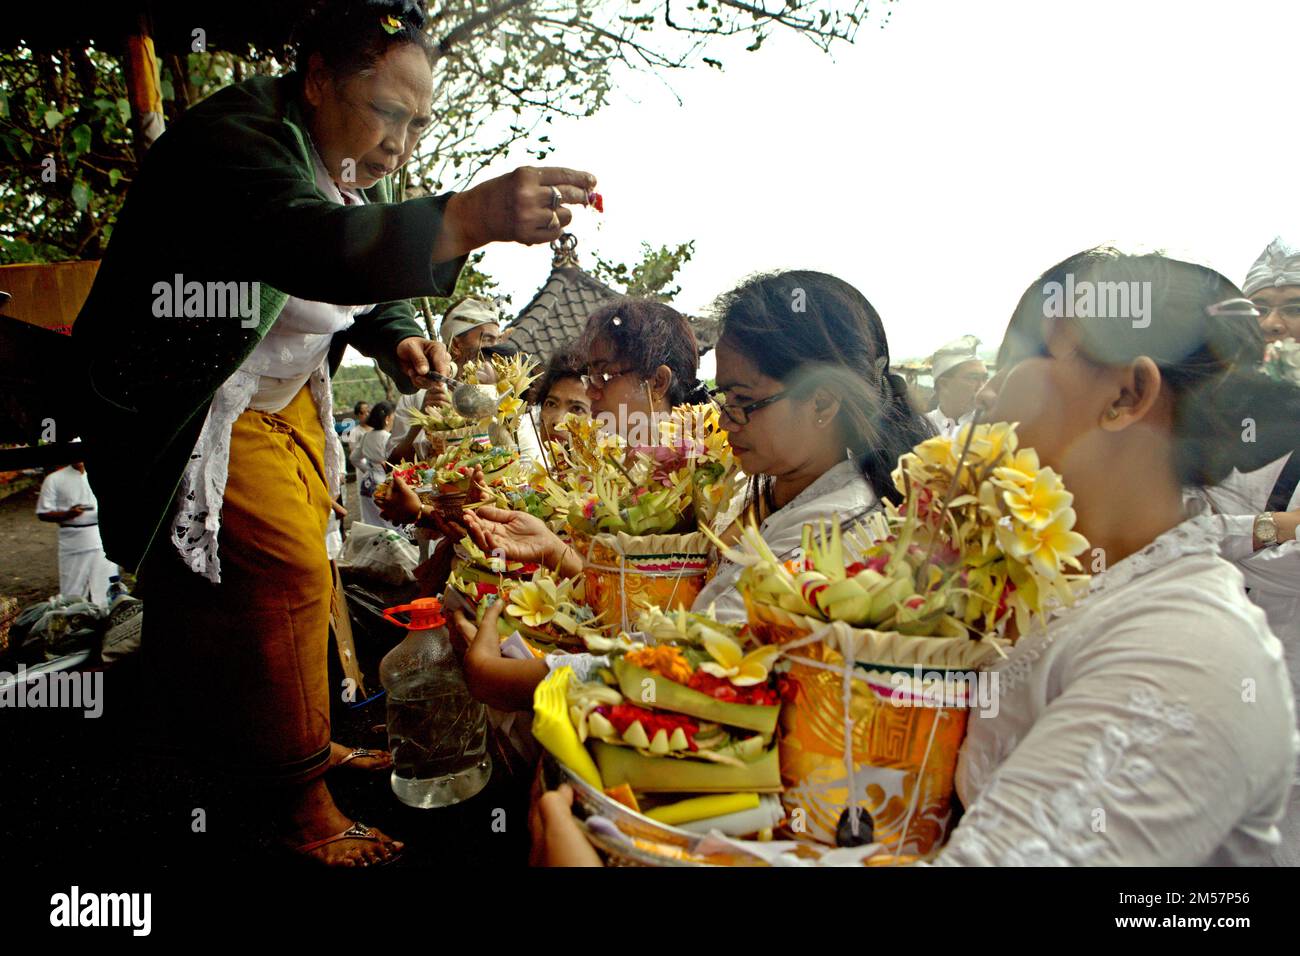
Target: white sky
[{"x": 942, "y": 162}]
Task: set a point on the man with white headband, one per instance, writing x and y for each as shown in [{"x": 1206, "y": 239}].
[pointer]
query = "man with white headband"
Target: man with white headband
[
  {"x": 959, "y": 374},
  {"x": 1261, "y": 509},
  {"x": 470, "y": 325},
  {"x": 1273, "y": 285}
]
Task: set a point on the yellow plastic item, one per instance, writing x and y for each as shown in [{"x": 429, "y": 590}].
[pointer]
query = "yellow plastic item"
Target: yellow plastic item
[
  {"x": 702, "y": 808},
  {"x": 554, "y": 730}
]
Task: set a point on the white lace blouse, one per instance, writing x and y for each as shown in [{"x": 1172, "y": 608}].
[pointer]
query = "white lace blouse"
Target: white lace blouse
[
  {"x": 1150, "y": 724},
  {"x": 293, "y": 353}
]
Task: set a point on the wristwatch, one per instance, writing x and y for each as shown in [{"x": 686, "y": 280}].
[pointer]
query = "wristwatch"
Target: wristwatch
[{"x": 1265, "y": 529}]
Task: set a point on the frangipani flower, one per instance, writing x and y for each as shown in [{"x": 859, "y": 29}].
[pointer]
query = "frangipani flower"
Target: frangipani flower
[
  {"x": 1047, "y": 548},
  {"x": 1037, "y": 500},
  {"x": 743, "y": 670},
  {"x": 534, "y": 602},
  {"x": 1003, "y": 548}
]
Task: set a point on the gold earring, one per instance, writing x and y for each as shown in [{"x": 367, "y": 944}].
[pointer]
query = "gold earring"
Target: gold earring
[{"x": 1112, "y": 414}]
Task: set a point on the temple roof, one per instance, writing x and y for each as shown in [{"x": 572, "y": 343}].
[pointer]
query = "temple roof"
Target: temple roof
[{"x": 558, "y": 312}]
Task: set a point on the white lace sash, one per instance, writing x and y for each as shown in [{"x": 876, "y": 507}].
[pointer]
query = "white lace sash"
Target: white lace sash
[{"x": 197, "y": 521}]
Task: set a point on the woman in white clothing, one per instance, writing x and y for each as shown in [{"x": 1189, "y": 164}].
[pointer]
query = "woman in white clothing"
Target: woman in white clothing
[
  {"x": 814, "y": 416},
  {"x": 1152, "y": 723},
  {"x": 368, "y": 456}
]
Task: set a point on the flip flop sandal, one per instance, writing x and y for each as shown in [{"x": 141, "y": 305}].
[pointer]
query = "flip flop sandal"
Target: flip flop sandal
[
  {"x": 358, "y": 831},
  {"x": 360, "y": 752}
]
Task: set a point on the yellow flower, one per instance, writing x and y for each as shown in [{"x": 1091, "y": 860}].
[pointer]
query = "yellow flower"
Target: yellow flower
[
  {"x": 534, "y": 602},
  {"x": 509, "y": 407},
  {"x": 743, "y": 670},
  {"x": 1046, "y": 548},
  {"x": 1037, "y": 501}
]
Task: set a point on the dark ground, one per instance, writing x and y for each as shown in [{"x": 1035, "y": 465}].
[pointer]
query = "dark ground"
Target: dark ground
[{"x": 75, "y": 790}]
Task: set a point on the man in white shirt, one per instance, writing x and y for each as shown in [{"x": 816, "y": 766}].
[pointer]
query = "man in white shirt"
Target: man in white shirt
[
  {"x": 959, "y": 374},
  {"x": 66, "y": 499},
  {"x": 1261, "y": 509}
]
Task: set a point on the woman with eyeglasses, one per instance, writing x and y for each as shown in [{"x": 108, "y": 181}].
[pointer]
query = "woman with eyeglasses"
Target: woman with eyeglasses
[
  {"x": 1152, "y": 722},
  {"x": 813, "y": 413},
  {"x": 641, "y": 362}
]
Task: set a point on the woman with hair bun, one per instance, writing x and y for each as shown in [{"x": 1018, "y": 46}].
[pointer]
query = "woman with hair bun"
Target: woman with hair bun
[
  {"x": 641, "y": 359},
  {"x": 1152, "y": 722},
  {"x": 813, "y": 414},
  {"x": 275, "y": 195}
]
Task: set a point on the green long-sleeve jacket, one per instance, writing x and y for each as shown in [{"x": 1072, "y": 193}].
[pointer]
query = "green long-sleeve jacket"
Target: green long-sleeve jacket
[{"x": 227, "y": 194}]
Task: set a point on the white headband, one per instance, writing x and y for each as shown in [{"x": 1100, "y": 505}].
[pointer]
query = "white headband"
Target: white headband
[{"x": 1279, "y": 264}]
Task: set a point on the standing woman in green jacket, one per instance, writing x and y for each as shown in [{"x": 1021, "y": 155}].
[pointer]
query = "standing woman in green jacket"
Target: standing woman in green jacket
[{"x": 259, "y": 239}]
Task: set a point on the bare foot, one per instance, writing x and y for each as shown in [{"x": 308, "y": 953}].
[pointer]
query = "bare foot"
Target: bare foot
[
  {"x": 314, "y": 816},
  {"x": 379, "y": 759}
]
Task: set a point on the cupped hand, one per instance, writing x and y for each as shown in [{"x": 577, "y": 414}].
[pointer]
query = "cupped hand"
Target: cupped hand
[{"x": 515, "y": 535}]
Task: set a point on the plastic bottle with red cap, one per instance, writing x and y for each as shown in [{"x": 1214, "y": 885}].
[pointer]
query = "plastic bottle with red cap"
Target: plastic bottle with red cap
[{"x": 437, "y": 732}]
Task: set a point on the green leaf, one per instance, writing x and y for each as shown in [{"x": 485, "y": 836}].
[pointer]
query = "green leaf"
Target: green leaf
[
  {"x": 124, "y": 109},
  {"x": 4, "y": 105},
  {"x": 80, "y": 195},
  {"x": 113, "y": 176},
  {"x": 81, "y": 139},
  {"x": 53, "y": 118}
]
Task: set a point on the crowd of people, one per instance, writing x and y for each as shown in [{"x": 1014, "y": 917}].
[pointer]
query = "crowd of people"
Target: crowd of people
[{"x": 1134, "y": 701}]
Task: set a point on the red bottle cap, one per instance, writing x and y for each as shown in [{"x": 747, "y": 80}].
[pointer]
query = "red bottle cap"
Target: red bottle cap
[{"x": 425, "y": 613}]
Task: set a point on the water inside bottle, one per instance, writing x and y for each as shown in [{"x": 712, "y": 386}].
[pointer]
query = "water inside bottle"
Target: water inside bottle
[{"x": 438, "y": 736}]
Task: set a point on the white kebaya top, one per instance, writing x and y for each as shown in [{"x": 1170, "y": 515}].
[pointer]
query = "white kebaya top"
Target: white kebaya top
[{"x": 1152, "y": 723}]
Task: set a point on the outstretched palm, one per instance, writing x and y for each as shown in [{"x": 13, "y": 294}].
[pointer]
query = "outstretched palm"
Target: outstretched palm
[{"x": 515, "y": 535}]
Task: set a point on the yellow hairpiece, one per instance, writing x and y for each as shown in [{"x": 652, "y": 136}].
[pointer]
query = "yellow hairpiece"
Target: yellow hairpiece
[{"x": 391, "y": 24}]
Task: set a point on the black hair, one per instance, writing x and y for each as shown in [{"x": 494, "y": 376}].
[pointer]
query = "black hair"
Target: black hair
[
  {"x": 811, "y": 330},
  {"x": 379, "y": 413},
  {"x": 564, "y": 363},
  {"x": 350, "y": 35},
  {"x": 646, "y": 334},
  {"x": 356, "y": 409},
  {"x": 1208, "y": 360}
]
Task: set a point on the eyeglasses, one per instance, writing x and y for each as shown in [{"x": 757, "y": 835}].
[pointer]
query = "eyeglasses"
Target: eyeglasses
[
  {"x": 739, "y": 414},
  {"x": 598, "y": 380},
  {"x": 1290, "y": 310}
]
